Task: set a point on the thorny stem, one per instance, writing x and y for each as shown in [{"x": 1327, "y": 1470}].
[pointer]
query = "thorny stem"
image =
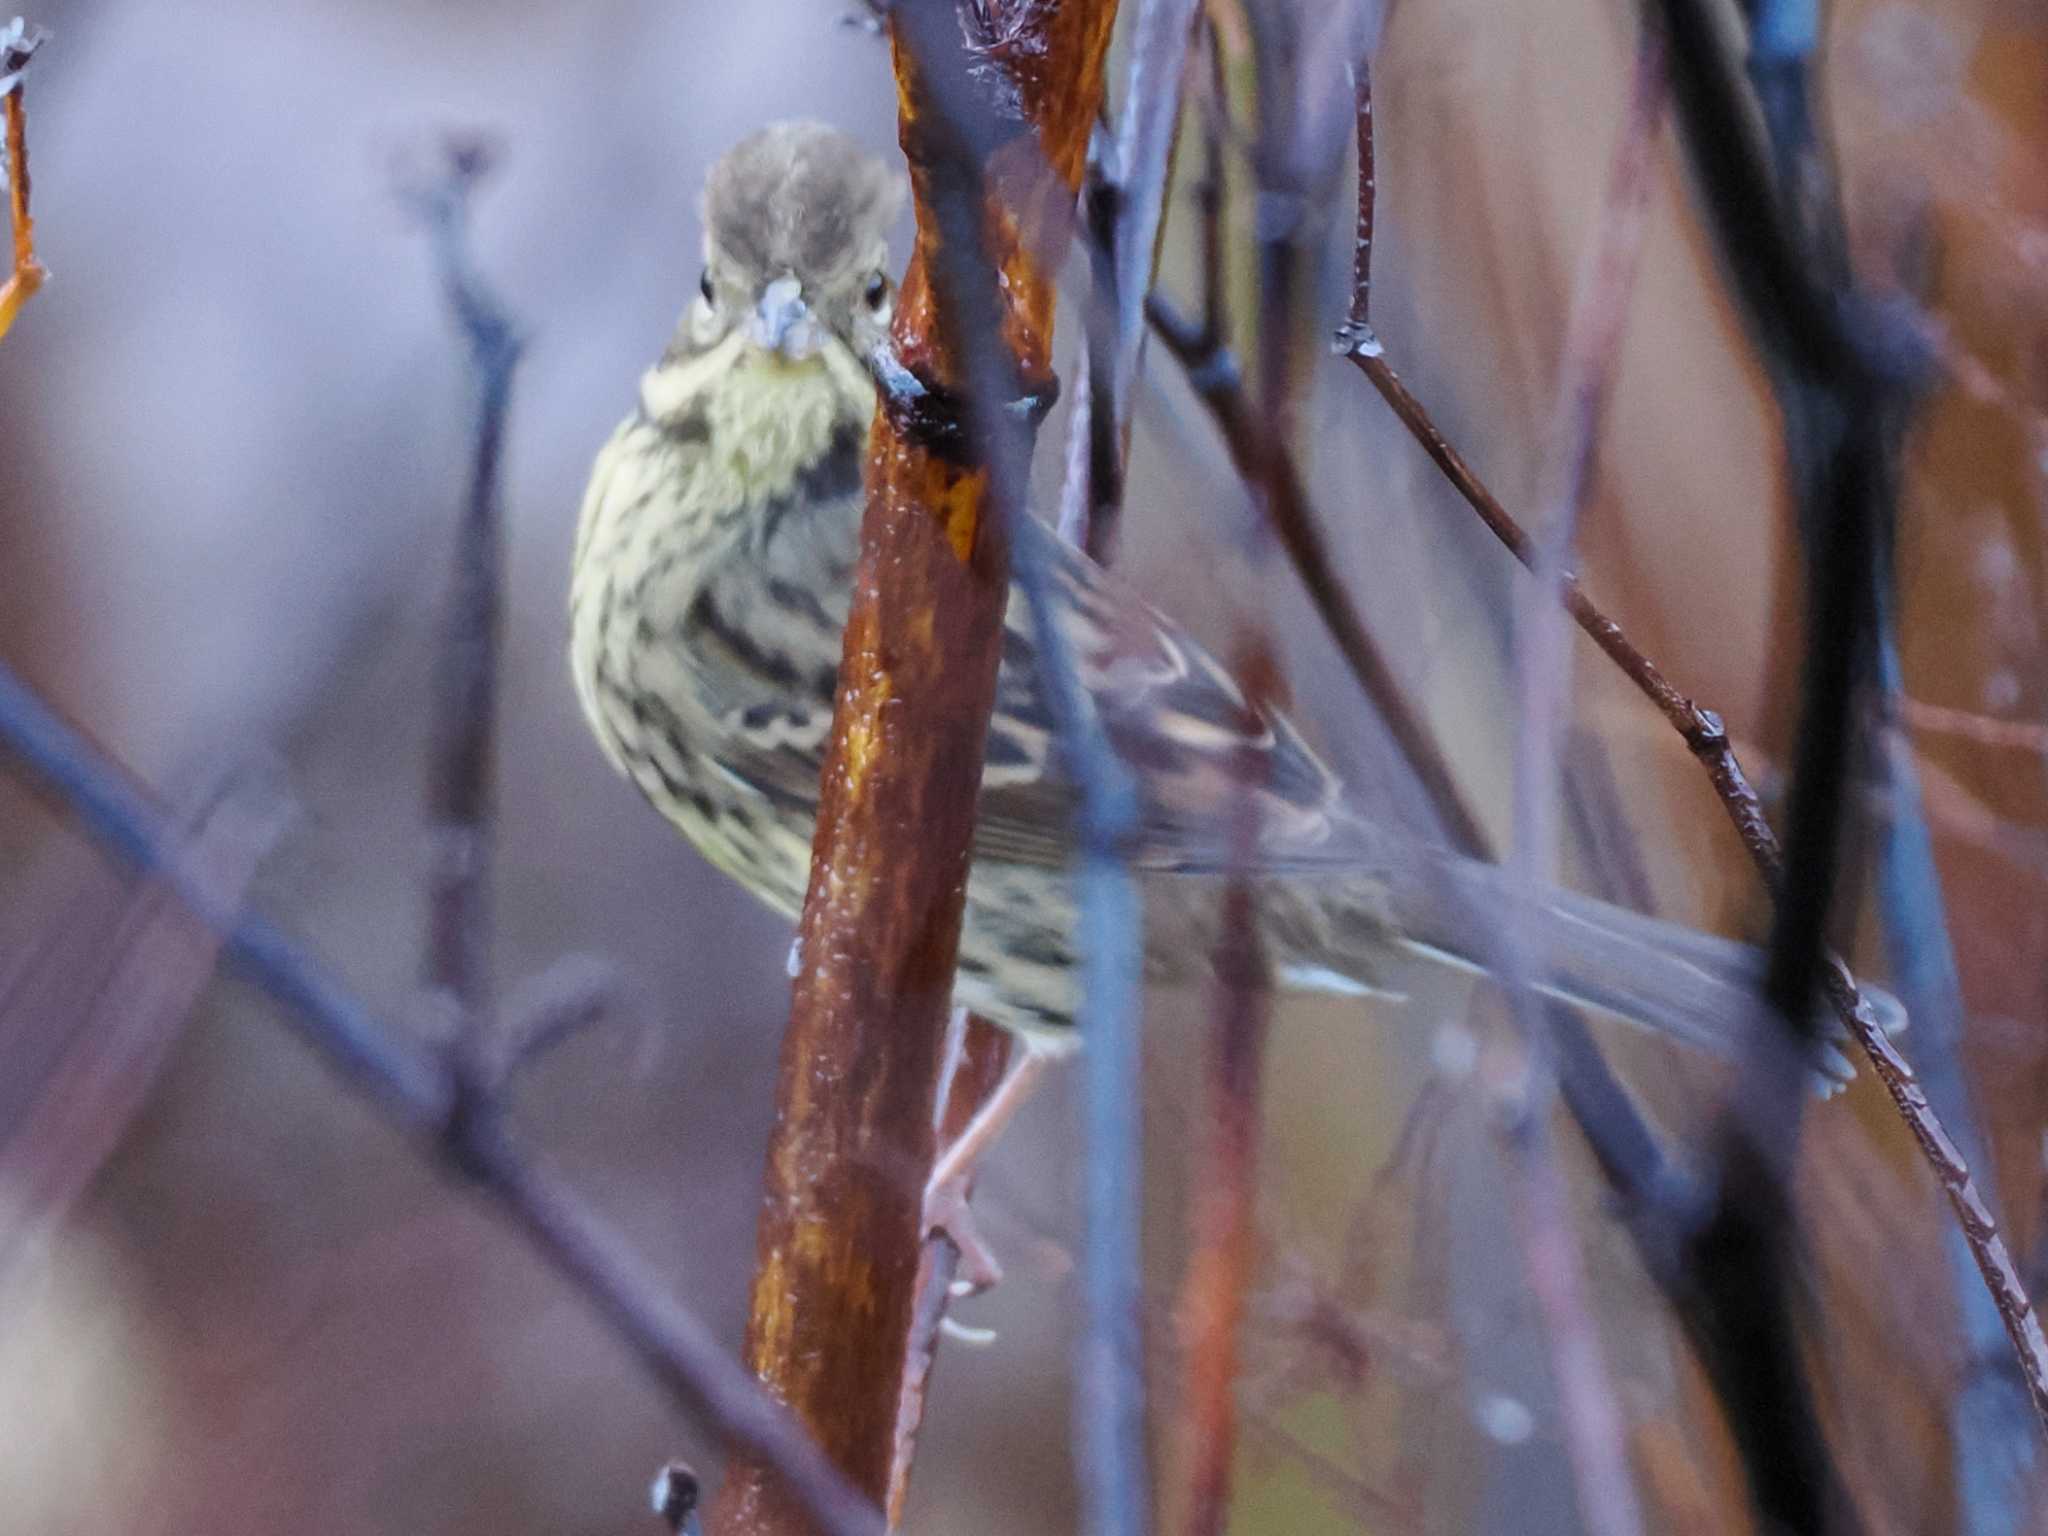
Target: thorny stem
[{"x": 17, "y": 45}]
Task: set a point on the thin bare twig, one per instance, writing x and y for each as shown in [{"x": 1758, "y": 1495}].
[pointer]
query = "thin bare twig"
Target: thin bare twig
[
  {"x": 461, "y": 789},
  {"x": 414, "y": 1088},
  {"x": 1706, "y": 737},
  {"x": 1660, "y": 1210},
  {"x": 1360, "y": 318},
  {"x": 18, "y": 43}
]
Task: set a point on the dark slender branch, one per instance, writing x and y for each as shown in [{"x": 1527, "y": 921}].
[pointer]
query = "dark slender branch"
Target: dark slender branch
[
  {"x": 1992, "y": 1433},
  {"x": 1844, "y": 410},
  {"x": 414, "y": 1088},
  {"x": 1360, "y": 317},
  {"x": 1209, "y": 192},
  {"x": 1092, "y": 496},
  {"x": 461, "y": 793}
]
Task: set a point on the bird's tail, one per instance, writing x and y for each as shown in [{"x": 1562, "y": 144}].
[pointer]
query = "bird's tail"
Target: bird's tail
[{"x": 1694, "y": 987}]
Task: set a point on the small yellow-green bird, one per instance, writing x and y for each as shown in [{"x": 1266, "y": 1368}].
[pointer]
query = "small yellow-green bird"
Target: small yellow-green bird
[{"x": 711, "y": 585}]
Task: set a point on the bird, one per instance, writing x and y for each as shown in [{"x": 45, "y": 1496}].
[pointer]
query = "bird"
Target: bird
[{"x": 711, "y": 580}]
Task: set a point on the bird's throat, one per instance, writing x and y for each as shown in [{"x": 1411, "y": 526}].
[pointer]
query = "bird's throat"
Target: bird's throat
[{"x": 767, "y": 420}]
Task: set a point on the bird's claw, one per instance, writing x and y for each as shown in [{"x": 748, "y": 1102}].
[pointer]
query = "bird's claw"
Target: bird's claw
[
  {"x": 946, "y": 1214},
  {"x": 934, "y": 415}
]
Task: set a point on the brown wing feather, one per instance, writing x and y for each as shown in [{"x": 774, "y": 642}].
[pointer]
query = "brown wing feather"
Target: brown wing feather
[
  {"x": 1177, "y": 719},
  {"x": 1175, "y": 716}
]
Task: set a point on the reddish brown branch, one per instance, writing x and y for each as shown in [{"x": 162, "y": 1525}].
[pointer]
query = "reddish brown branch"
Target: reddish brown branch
[
  {"x": 840, "y": 1237},
  {"x": 17, "y": 45},
  {"x": 1225, "y": 1248}
]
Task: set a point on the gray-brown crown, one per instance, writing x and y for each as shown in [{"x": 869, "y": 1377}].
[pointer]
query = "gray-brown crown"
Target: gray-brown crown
[{"x": 799, "y": 196}]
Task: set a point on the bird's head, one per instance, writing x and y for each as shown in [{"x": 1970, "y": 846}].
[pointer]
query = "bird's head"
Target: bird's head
[{"x": 796, "y": 222}]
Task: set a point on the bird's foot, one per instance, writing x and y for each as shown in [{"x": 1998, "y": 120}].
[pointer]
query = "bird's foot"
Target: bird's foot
[
  {"x": 934, "y": 415},
  {"x": 952, "y": 1180},
  {"x": 947, "y": 1214}
]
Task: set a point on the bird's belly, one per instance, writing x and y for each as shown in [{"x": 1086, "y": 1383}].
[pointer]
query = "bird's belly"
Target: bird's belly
[{"x": 738, "y": 831}]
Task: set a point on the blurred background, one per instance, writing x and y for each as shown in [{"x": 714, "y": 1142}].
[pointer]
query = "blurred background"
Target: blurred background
[{"x": 233, "y": 435}]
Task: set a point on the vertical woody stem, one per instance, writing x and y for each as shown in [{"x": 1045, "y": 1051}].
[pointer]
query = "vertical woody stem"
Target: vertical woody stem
[{"x": 835, "y": 1289}]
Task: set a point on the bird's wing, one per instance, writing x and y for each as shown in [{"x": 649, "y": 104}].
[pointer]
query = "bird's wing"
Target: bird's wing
[{"x": 1178, "y": 721}]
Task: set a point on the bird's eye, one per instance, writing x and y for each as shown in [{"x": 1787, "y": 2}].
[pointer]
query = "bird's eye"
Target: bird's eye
[
  {"x": 704, "y": 284},
  {"x": 876, "y": 291}
]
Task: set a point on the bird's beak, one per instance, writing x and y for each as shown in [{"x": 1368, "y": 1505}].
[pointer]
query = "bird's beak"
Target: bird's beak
[{"x": 782, "y": 321}]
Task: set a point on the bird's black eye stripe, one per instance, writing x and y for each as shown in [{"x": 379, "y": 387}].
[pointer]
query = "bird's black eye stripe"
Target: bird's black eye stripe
[
  {"x": 704, "y": 284},
  {"x": 876, "y": 291}
]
